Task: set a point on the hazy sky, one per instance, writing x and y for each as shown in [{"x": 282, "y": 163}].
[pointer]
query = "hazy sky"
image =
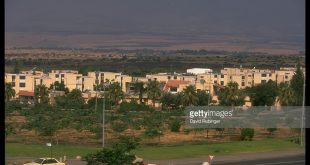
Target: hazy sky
[{"x": 277, "y": 17}]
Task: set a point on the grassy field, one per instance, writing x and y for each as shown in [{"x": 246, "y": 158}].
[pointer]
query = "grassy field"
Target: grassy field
[{"x": 155, "y": 152}]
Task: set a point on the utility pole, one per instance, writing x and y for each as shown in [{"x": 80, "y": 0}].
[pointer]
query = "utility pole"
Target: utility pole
[
  {"x": 209, "y": 89},
  {"x": 303, "y": 113},
  {"x": 103, "y": 108}
]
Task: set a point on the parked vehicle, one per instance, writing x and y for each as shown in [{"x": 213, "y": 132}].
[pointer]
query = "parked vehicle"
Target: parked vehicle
[
  {"x": 45, "y": 161},
  {"x": 138, "y": 161}
]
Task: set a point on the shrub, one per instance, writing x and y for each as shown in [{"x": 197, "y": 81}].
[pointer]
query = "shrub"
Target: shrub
[
  {"x": 132, "y": 106},
  {"x": 247, "y": 134},
  {"x": 187, "y": 131},
  {"x": 175, "y": 125},
  {"x": 271, "y": 130}
]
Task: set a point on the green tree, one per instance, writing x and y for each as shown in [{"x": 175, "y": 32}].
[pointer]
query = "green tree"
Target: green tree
[
  {"x": 74, "y": 99},
  {"x": 190, "y": 96},
  {"x": 171, "y": 101},
  {"x": 59, "y": 87},
  {"x": 151, "y": 133},
  {"x": 139, "y": 89},
  {"x": 119, "y": 153},
  {"x": 115, "y": 93},
  {"x": 41, "y": 94},
  {"x": 9, "y": 130},
  {"x": 247, "y": 134},
  {"x": 153, "y": 124},
  {"x": 263, "y": 94},
  {"x": 119, "y": 127},
  {"x": 153, "y": 91},
  {"x": 231, "y": 95},
  {"x": 286, "y": 95},
  {"x": 297, "y": 83},
  {"x": 204, "y": 98},
  {"x": 175, "y": 125},
  {"x": 43, "y": 124},
  {"x": 9, "y": 91}
]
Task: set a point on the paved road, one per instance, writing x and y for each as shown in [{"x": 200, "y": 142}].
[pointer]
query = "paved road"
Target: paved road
[
  {"x": 288, "y": 160},
  {"x": 287, "y": 157},
  {"x": 292, "y": 160}
]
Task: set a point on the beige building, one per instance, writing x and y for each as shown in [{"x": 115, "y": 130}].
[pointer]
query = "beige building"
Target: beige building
[
  {"x": 70, "y": 78},
  {"x": 175, "y": 82},
  {"x": 164, "y": 77},
  {"x": 22, "y": 82}
]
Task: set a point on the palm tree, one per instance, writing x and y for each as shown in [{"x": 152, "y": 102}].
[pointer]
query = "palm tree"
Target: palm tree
[
  {"x": 231, "y": 95},
  {"x": 190, "y": 96},
  {"x": 286, "y": 94},
  {"x": 139, "y": 89},
  {"x": 153, "y": 91},
  {"x": 202, "y": 81},
  {"x": 9, "y": 91},
  {"x": 115, "y": 93},
  {"x": 41, "y": 94},
  {"x": 74, "y": 99},
  {"x": 59, "y": 87}
]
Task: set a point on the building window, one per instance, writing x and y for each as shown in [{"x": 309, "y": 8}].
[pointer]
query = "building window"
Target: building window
[
  {"x": 222, "y": 82},
  {"x": 215, "y": 76},
  {"x": 13, "y": 84},
  {"x": 169, "y": 77},
  {"x": 22, "y": 85},
  {"x": 242, "y": 84},
  {"x": 264, "y": 75},
  {"x": 263, "y": 81},
  {"x": 269, "y": 74},
  {"x": 41, "y": 81},
  {"x": 175, "y": 77},
  {"x": 13, "y": 78},
  {"x": 222, "y": 76},
  {"x": 230, "y": 77},
  {"x": 57, "y": 75},
  {"x": 215, "y": 82},
  {"x": 155, "y": 79},
  {"x": 243, "y": 77},
  {"x": 201, "y": 76},
  {"x": 286, "y": 77},
  {"x": 22, "y": 77},
  {"x": 249, "y": 75},
  {"x": 62, "y": 75}
]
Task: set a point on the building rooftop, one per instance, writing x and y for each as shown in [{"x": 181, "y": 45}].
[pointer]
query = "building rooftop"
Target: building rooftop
[
  {"x": 25, "y": 93},
  {"x": 174, "y": 83}
]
